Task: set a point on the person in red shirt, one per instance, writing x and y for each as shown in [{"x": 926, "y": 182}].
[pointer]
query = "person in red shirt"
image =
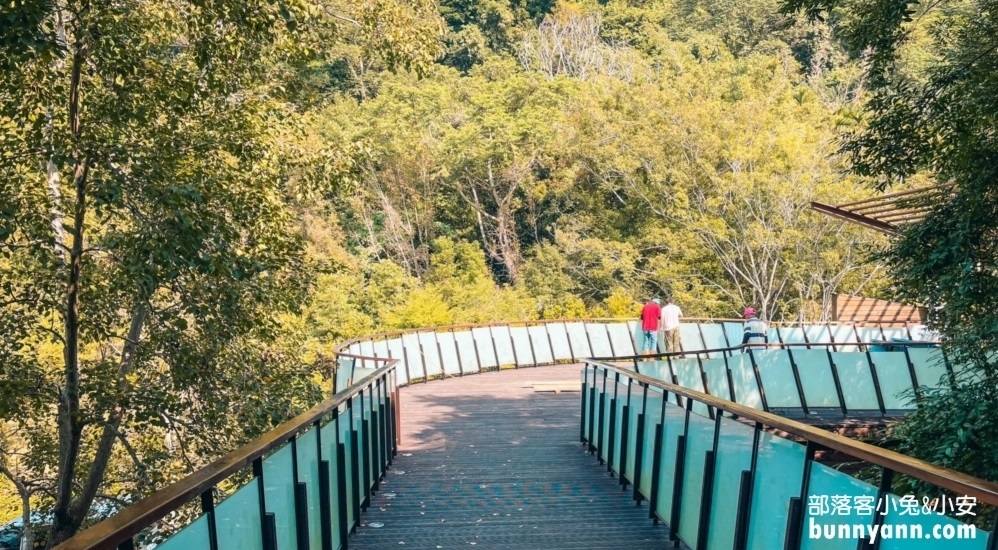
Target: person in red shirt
[{"x": 651, "y": 319}]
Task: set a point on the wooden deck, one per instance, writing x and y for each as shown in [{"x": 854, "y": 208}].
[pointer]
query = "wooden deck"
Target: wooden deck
[{"x": 488, "y": 463}]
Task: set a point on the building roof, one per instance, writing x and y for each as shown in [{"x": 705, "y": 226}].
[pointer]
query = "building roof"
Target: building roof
[{"x": 889, "y": 213}]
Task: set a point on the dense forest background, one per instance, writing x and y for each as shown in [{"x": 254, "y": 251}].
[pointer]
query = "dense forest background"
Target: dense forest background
[{"x": 381, "y": 165}]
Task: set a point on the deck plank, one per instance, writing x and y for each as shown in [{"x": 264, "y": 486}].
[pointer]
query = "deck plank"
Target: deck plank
[{"x": 488, "y": 463}]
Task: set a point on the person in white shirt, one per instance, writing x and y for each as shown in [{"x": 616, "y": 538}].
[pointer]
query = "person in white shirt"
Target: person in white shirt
[
  {"x": 670, "y": 325},
  {"x": 755, "y": 328}
]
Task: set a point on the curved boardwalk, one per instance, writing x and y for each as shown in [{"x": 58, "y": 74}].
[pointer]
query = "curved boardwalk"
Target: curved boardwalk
[{"x": 488, "y": 463}]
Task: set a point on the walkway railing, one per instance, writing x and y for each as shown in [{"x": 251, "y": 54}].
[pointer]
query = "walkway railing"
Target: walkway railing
[
  {"x": 309, "y": 479},
  {"x": 721, "y": 480},
  {"x": 437, "y": 352}
]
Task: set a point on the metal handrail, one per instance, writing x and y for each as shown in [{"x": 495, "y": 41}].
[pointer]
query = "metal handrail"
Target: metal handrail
[
  {"x": 121, "y": 527},
  {"x": 952, "y": 480}
]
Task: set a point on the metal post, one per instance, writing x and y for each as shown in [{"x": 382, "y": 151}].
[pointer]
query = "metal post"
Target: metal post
[
  {"x": 301, "y": 500},
  {"x": 886, "y": 480},
  {"x": 745, "y": 494},
  {"x": 600, "y": 420},
  {"x": 707, "y": 495},
  {"x": 639, "y": 446},
  {"x": 583, "y": 394},
  {"x": 795, "y": 521},
  {"x": 800, "y": 386},
  {"x": 208, "y": 509},
  {"x": 758, "y": 381},
  {"x": 876, "y": 382},
  {"x": 128, "y": 544},
  {"x": 677, "y": 489},
  {"x": 838, "y": 383},
  {"x": 656, "y": 468},
  {"x": 268, "y": 523}
]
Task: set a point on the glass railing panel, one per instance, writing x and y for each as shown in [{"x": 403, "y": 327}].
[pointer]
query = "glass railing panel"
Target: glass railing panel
[
  {"x": 717, "y": 377},
  {"x": 778, "y": 380},
  {"x": 344, "y": 371},
  {"x": 541, "y": 344},
  {"x": 307, "y": 448},
  {"x": 328, "y": 435},
  {"x": 854, "y": 373},
  {"x": 916, "y": 525},
  {"x": 658, "y": 370},
  {"x": 735, "y": 333},
  {"x": 772, "y": 335},
  {"x": 621, "y": 340},
  {"x": 380, "y": 348},
  {"x": 362, "y": 413},
  {"x": 637, "y": 335},
  {"x": 367, "y": 348},
  {"x": 599, "y": 340},
  {"x": 465, "y": 342},
  {"x": 734, "y": 455},
  {"x": 792, "y": 335},
  {"x": 504, "y": 345},
  {"x": 653, "y": 413},
  {"x": 930, "y": 367},
  {"x": 604, "y": 426},
  {"x": 818, "y": 334},
  {"x": 779, "y": 470},
  {"x": 831, "y": 503},
  {"x": 672, "y": 428},
  {"x": 192, "y": 537},
  {"x": 713, "y": 337},
  {"x": 579, "y": 340},
  {"x": 894, "y": 378},
  {"x": 745, "y": 385},
  {"x": 689, "y": 337},
  {"x": 688, "y": 374},
  {"x": 237, "y": 519},
  {"x": 896, "y": 333},
  {"x": 431, "y": 354},
  {"x": 278, "y": 489},
  {"x": 869, "y": 334},
  {"x": 633, "y": 411},
  {"x": 816, "y": 377},
  {"x": 413, "y": 356},
  {"x": 486, "y": 348},
  {"x": 521, "y": 346},
  {"x": 845, "y": 338},
  {"x": 448, "y": 353},
  {"x": 395, "y": 351},
  {"x": 346, "y": 438},
  {"x": 561, "y": 349},
  {"x": 618, "y": 428},
  {"x": 700, "y": 439}
]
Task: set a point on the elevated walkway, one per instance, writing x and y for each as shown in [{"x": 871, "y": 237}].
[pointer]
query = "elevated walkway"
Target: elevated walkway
[{"x": 711, "y": 445}]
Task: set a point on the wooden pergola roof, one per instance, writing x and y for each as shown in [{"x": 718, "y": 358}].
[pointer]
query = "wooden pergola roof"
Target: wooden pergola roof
[{"x": 889, "y": 213}]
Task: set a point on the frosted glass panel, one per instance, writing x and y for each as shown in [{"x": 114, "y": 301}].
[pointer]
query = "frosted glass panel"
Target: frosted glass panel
[
  {"x": 521, "y": 345},
  {"x": 192, "y": 537},
  {"x": 829, "y": 504},
  {"x": 542, "y": 347},
  {"x": 900, "y": 333},
  {"x": 346, "y": 438},
  {"x": 413, "y": 356},
  {"x": 735, "y": 333},
  {"x": 816, "y": 377},
  {"x": 504, "y": 345},
  {"x": 743, "y": 378},
  {"x": 308, "y": 473},
  {"x": 792, "y": 335},
  {"x": 779, "y": 470},
  {"x": 465, "y": 342},
  {"x": 578, "y": 340},
  {"x": 637, "y": 336},
  {"x": 688, "y": 374},
  {"x": 599, "y": 339},
  {"x": 278, "y": 488},
  {"x": 930, "y": 368},
  {"x": 653, "y": 412},
  {"x": 818, "y": 334},
  {"x": 689, "y": 337},
  {"x": 329, "y": 453},
  {"x": 658, "y": 370},
  {"x": 700, "y": 439},
  {"x": 778, "y": 382},
  {"x": 734, "y": 454},
  {"x": 486, "y": 348},
  {"x": 713, "y": 337},
  {"x": 431, "y": 354},
  {"x": 560, "y": 347},
  {"x": 448, "y": 353},
  {"x": 869, "y": 334},
  {"x": 675, "y": 421},
  {"x": 857, "y": 381},
  {"x": 618, "y": 438},
  {"x": 717, "y": 377},
  {"x": 621, "y": 340},
  {"x": 922, "y": 530},
  {"x": 344, "y": 372},
  {"x": 894, "y": 378},
  {"x": 847, "y": 334},
  {"x": 381, "y": 349},
  {"x": 395, "y": 351},
  {"x": 367, "y": 348},
  {"x": 237, "y": 519}
]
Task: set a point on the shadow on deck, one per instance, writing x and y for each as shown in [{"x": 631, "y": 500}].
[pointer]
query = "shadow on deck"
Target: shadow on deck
[{"x": 488, "y": 463}]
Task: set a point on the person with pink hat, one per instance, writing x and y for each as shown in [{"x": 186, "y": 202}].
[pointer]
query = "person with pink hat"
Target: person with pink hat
[{"x": 755, "y": 328}]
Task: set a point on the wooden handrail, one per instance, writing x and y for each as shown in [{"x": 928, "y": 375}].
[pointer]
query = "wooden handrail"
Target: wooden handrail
[
  {"x": 122, "y": 526},
  {"x": 959, "y": 483}
]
